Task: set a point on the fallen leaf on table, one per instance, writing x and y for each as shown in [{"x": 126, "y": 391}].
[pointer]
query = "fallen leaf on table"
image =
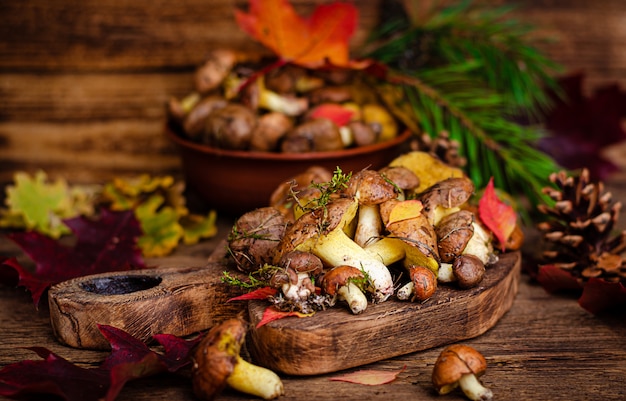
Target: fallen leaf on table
[
  {"x": 310, "y": 42},
  {"x": 499, "y": 217},
  {"x": 105, "y": 245},
  {"x": 260, "y": 293},
  {"x": 369, "y": 377},
  {"x": 595, "y": 295},
  {"x": 130, "y": 359},
  {"x": 271, "y": 313},
  {"x": 36, "y": 204}
]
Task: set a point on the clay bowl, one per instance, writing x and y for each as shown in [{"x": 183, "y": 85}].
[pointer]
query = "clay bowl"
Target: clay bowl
[{"x": 234, "y": 182}]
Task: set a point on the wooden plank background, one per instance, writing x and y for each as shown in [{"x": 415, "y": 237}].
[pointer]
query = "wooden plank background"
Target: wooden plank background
[{"x": 83, "y": 84}]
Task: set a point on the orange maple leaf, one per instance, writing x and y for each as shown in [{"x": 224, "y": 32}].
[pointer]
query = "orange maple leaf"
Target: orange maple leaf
[
  {"x": 499, "y": 217},
  {"x": 309, "y": 42}
]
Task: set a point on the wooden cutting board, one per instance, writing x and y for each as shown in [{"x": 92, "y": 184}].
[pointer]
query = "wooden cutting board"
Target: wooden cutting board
[{"x": 185, "y": 300}]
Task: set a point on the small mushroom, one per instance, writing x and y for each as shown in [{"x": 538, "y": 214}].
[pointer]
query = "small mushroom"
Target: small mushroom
[
  {"x": 270, "y": 129},
  {"x": 460, "y": 366},
  {"x": 468, "y": 270},
  {"x": 217, "y": 66},
  {"x": 299, "y": 268},
  {"x": 195, "y": 120},
  {"x": 422, "y": 286},
  {"x": 316, "y": 135},
  {"x": 217, "y": 364},
  {"x": 345, "y": 282},
  {"x": 454, "y": 231},
  {"x": 230, "y": 127}
]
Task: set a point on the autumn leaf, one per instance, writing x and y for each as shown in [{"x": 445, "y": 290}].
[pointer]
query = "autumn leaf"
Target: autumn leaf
[
  {"x": 271, "y": 313},
  {"x": 260, "y": 293},
  {"x": 310, "y": 42},
  {"x": 581, "y": 127},
  {"x": 104, "y": 245},
  {"x": 34, "y": 203},
  {"x": 196, "y": 227},
  {"x": 595, "y": 295},
  {"x": 499, "y": 217},
  {"x": 160, "y": 227},
  {"x": 369, "y": 377},
  {"x": 129, "y": 359}
]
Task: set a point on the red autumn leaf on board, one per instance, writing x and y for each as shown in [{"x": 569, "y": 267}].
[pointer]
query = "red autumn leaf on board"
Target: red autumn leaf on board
[
  {"x": 580, "y": 127},
  {"x": 596, "y": 295},
  {"x": 310, "y": 42},
  {"x": 259, "y": 293},
  {"x": 336, "y": 113},
  {"x": 499, "y": 217},
  {"x": 369, "y": 377},
  {"x": 105, "y": 245},
  {"x": 271, "y": 313},
  {"x": 129, "y": 359}
]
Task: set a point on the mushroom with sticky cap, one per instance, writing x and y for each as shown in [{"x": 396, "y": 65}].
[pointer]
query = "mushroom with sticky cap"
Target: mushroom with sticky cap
[
  {"x": 346, "y": 283},
  {"x": 460, "y": 365},
  {"x": 217, "y": 364}
]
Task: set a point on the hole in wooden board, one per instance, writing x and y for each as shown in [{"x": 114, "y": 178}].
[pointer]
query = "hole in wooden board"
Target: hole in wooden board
[{"x": 120, "y": 284}]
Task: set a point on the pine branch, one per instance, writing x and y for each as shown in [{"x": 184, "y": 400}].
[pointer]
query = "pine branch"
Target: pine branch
[{"x": 467, "y": 70}]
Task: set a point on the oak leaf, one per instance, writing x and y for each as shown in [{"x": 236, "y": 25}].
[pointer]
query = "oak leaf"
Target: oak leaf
[{"x": 311, "y": 42}]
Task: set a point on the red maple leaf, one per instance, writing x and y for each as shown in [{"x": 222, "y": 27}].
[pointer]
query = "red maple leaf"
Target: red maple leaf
[
  {"x": 129, "y": 359},
  {"x": 311, "y": 42},
  {"x": 499, "y": 217},
  {"x": 105, "y": 245}
]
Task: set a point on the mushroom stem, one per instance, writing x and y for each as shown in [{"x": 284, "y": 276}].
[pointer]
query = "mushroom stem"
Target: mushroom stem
[
  {"x": 473, "y": 389},
  {"x": 353, "y": 296},
  {"x": 255, "y": 380},
  {"x": 300, "y": 290},
  {"x": 369, "y": 225},
  {"x": 336, "y": 248},
  {"x": 405, "y": 292}
]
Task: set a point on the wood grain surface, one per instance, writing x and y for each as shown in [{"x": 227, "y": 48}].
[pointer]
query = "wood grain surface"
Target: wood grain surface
[
  {"x": 544, "y": 347},
  {"x": 335, "y": 339},
  {"x": 83, "y": 85}
]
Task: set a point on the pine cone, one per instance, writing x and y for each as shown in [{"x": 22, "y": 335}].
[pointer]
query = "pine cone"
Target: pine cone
[
  {"x": 578, "y": 231},
  {"x": 442, "y": 147}
]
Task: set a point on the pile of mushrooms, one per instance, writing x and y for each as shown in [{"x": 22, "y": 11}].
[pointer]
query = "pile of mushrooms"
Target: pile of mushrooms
[
  {"x": 398, "y": 232},
  {"x": 238, "y": 103}
]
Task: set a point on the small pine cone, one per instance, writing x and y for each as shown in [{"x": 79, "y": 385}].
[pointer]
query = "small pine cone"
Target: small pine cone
[
  {"x": 442, "y": 147},
  {"x": 578, "y": 229}
]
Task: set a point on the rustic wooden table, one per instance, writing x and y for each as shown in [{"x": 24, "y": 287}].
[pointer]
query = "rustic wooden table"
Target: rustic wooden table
[{"x": 545, "y": 347}]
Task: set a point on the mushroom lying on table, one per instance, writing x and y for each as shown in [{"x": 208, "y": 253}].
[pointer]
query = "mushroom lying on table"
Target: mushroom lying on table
[
  {"x": 217, "y": 364},
  {"x": 460, "y": 366}
]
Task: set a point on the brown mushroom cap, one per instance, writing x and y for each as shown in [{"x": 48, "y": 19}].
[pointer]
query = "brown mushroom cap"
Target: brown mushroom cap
[
  {"x": 230, "y": 127},
  {"x": 317, "y": 135},
  {"x": 215, "y": 357},
  {"x": 301, "y": 262},
  {"x": 454, "y": 231},
  {"x": 254, "y": 237},
  {"x": 453, "y": 362},
  {"x": 370, "y": 187},
  {"x": 424, "y": 282},
  {"x": 448, "y": 193},
  {"x": 338, "y": 277},
  {"x": 469, "y": 271},
  {"x": 404, "y": 178}
]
